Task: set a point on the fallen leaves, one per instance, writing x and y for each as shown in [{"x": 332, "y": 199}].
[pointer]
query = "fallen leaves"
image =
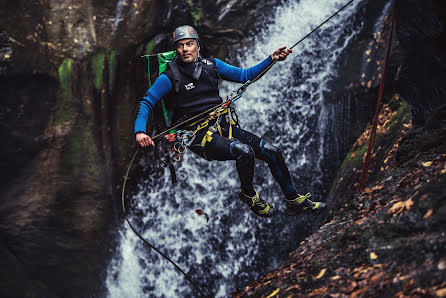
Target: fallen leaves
[
  {"x": 321, "y": 273},
  {"x": 201, "y": 212},
  {"x": 346, "y": 259},
  {"x": 428, "y": 214},
  {"x": 442, "y": 264},
  {"x": 273, "y": 293},
  {"x": 359, "y": 292},
  {"x": 441, "y": 292},
  {"x": 368, "y": 190},
  {"x": 318, "y": 292},
  {"x": 427, "y": 164},
  {"x": 399, "y": 207}
]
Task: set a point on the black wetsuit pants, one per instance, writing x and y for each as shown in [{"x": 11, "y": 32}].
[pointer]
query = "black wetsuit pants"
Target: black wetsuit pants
[{"x": 244, "y": 148}]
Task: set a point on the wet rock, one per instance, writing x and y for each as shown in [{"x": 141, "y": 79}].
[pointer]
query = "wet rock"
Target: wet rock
[{"x": 387, "y": 240}]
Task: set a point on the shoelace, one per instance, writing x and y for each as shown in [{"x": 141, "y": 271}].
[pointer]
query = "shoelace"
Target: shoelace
[
  {"x": 300, "y": 199},
  {"x": 256, "y": 200}
]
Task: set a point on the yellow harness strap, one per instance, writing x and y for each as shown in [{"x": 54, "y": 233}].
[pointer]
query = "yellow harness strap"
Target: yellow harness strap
[
  {"x": 213, "y": 129},
  {"x": 230, "y": 128}
]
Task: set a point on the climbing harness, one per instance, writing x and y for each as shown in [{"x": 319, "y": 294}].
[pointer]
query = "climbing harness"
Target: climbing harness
[
  {"x": 184, "y": 138},
  {"x": 378, "y": 104}
]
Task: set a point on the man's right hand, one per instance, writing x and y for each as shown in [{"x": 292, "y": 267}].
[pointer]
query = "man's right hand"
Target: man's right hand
[{"x": 144, "y": 140}]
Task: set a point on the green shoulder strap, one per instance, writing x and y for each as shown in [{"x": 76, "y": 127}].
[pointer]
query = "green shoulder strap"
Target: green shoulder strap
[{"x": 163, "y": 60}]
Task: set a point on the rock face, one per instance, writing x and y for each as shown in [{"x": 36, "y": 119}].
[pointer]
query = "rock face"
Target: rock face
[
  {"x": 388, "y": 240},
  {"x": 71, "y": 79},
  {"x": 420, "y": 56}
]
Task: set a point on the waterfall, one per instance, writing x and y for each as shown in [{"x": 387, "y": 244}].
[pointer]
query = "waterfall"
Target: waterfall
[{"x": 285, "y": 107}]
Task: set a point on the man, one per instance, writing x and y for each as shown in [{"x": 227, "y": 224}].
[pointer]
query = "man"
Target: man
[{"x": 216, "y": 139}]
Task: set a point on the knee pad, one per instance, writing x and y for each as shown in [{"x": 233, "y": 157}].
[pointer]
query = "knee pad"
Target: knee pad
[
  {"x": 238, "y": 149},
  {"x": 270, "y": 151}
]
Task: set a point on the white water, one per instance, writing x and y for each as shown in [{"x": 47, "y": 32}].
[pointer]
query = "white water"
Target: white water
[{"x": 235, "y": 246}]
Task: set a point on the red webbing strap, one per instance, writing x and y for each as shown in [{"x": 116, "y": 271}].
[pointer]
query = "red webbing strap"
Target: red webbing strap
[{"x": 378, "y": 103}]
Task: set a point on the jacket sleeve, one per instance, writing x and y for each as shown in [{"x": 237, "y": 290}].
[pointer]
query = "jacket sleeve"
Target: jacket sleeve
[
  {"x": 240, "y": 75},
  {"x": 160, "y": 88}
]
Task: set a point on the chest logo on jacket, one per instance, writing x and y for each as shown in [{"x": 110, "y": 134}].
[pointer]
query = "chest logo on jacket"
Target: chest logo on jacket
[
  {"x": 189, "y": 86},
  {"x": 207, "y": 61}
]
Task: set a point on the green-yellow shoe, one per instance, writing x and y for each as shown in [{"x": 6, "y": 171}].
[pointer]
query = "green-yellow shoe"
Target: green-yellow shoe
[
  {"x": 302, "y": 204},
  {"x": 257, "y": 205}
]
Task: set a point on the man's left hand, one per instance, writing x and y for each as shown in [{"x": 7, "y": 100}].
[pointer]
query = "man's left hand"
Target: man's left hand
[{"x": 280, "y": 54}]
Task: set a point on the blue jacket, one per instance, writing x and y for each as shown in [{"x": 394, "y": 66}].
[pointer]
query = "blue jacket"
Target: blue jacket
[{"x": 164, "y": 84}]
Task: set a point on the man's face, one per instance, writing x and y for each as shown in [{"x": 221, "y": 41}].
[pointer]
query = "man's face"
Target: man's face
[{"x": 187, "y": 50}]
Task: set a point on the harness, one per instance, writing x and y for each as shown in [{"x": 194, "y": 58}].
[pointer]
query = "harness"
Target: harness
[{"x": 182, "y": 139}]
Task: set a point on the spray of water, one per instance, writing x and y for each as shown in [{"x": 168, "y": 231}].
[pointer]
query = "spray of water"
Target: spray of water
[{"x": 285, "y": 107}]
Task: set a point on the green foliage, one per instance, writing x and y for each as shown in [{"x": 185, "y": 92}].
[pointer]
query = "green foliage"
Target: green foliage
[
  {"x": 358, "y": 154},
  {"x": 72, "y": 157},
  {"x": 65, "y": 102},
  {"x": 149, "y": 47},
  {"x": 195, "y": 12},
  {"x": 98, "y": 69},
  {"x": 65, "y": 76},
  {"x": 400, "y": 114}
]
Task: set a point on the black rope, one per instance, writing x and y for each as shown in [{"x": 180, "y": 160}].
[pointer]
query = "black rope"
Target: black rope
[
  {"x": 272, "y": 64},
  {"x": 236, "y": 95},
  {"x": 142, "y": 238}
]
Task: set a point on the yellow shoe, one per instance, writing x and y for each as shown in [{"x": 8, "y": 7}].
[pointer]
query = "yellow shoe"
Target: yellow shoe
[
  {"x": 257, "y": 205},
  {"x": 302, "y": 204}
]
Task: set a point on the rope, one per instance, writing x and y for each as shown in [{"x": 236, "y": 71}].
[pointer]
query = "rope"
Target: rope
[
  {"x": 272, "y": 64},
  {"x": 142, "y": 238},
  {"x": 378, "y": 103}
]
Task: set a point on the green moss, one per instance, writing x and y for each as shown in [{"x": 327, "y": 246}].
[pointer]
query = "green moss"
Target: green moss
[
  {"x": 65, "y": 101},
  {"x": 77, "y": 158},
  {"x": 65, "y": 76},
  {"x": 400, "y": 115},
  {"x": 350, "y": 162},
  {"x": 98, "y": 69},
  {"x": 111, "y": 68},
  {"x": 195, "y": 12},
  {"x": 149, "y": 47},
  {"x": 72, "y": 157}
]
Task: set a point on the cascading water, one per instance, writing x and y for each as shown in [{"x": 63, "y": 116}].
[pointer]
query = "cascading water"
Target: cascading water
[{"x": 235, "y": 247}]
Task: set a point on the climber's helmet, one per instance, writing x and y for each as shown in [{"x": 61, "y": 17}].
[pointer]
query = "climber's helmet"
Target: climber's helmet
[{"x": 184, "y": 32}]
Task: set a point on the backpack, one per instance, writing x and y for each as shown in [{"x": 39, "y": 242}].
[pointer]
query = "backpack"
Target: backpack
[{"x": 163, "y": 111}]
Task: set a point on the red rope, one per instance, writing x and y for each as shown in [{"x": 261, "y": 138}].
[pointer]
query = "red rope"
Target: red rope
[{"x": 378, "y": 104}]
